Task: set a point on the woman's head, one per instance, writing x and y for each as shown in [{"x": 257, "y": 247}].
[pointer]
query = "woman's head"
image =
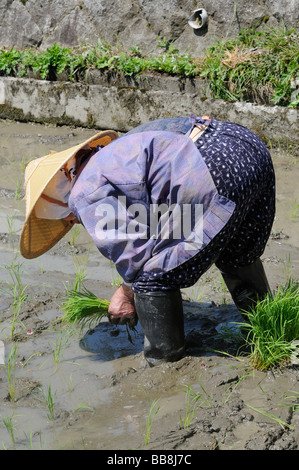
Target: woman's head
[{"x": 48, "y": 182}]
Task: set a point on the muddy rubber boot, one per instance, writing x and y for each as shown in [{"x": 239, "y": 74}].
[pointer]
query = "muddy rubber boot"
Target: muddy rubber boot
[
  {"x": 246, "y": 285},
  {"x": 162, "y": 320}
]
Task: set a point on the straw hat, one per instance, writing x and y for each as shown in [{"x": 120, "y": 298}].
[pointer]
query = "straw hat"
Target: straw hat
[{"x": 39, "y": 235}]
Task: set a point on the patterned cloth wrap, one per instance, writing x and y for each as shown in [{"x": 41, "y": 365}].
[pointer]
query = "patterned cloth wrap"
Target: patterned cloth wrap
[{"x": 227, "y": 172}]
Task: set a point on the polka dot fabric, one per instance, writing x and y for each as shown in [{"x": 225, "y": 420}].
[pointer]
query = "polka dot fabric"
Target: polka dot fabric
[{"x": 242, "y": 170}]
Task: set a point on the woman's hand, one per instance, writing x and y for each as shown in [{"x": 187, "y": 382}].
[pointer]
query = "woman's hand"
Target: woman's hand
[{"x": 122, "y": 309}]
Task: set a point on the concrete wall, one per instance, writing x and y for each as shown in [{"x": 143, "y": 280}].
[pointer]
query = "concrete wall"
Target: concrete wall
[
  {"x": 40, "y": 23},
  {"x": 122, "y": 105}
]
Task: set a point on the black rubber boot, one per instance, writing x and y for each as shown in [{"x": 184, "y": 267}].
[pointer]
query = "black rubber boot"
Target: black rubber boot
[
  {"x": 162, "y": 320},
  {"x": 246, "y": 285}
]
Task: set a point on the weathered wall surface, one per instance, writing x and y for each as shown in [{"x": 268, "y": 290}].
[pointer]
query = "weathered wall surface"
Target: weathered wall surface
[
  {"x": 40, "y": 23},
  {"x": 123, "y": 106},
  {"x": 125, "y": 103}
]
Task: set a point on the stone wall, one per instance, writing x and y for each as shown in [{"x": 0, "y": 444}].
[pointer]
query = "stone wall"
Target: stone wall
[
  {"x": 40, "y": 23},
  {"x": 123, "y": 104}
]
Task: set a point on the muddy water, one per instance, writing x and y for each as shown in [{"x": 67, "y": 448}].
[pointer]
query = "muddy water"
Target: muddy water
[{"x": 99, "y": 383}]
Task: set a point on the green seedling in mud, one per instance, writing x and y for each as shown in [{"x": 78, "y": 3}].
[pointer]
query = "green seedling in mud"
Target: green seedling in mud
[
  {"x": 10, "y": 427},
  {"x": 80, "y": 272},
  {"x": 294, "y": 404},
  {"x": 116, "y": 278},
  {"x": 295, "y": 210},
  {"x": 232, "y": 385},
  {"x": 222, "y": 289},
  {"x": 287, "y": 268},
  {"x": 191, "y": 406},
  {"x": 49, "y": 398},
  {"x": 207, "y": 399},
  {"x": 149, "y": 420},
  {"x": 61, "y": 343},
  {"x": 195, "y": 293},
  {"x": 194, "y": 401},
  {"x": 11, "y": 372},
  {"x": 84, "y": 308},
  {"x": 75, "y": 232},
  {"x": 273, "y": 327},
  {"x": 14, "y": 286},
  {"x": 30, "y": 440},
  {"x": 10, "y": 222},
  {"x": 269, "y": 415},
  {"x": 83, "y": 407},
  {"x": 18, "y": 190}
]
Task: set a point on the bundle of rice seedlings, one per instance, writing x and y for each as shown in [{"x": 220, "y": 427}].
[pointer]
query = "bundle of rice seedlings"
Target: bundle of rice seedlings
[
  {"x": 273, "y": 327},
  {"x": 84, "y": 308}
]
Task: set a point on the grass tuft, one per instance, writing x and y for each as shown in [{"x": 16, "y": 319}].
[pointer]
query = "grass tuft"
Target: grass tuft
[
  {"x": 255, "y": 66},
  {"x": 84, "y": 308},
  {"x": 273, "y": 327}
]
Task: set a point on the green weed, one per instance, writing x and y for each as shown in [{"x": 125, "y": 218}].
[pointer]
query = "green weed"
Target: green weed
[
  {"x": 11, "y": 372},
  {"x": 83, "y": 308},
  {"x": 295, "y": 210},
  {"x": 294, "y": 404},
  {"x": 195, "y": 400},
  {"x": 149, "y": 420},
  {"x": 49, "y": 398},
  {"x": 10, "y": 427},
  {"x": 75, "y": 232},
  {"x": 191, "y": 406},
  {"x": 269, "y": 415},
  {"x": 258, "y": 66},
  {"x": 273, "y": 327},
  {"x": 61, "y": 343},
  {"x": 14, "y": 288}
]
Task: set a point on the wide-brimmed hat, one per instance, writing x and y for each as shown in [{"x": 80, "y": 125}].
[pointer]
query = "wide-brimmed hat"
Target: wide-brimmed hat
[{"x": 38, "y": 235}]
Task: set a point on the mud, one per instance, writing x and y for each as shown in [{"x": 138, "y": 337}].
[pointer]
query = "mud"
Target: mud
[{"x": 101, "y": 388}]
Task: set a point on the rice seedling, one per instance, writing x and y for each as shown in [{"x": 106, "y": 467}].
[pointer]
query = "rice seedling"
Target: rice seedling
[
  {"x": 191, "y": 406},
  {"x": 14, "y": 286},
  {"x": 273, "y": 327},
  {"x": 11, "y": 369},
  {"x": 15, "y": 310},
  {"x": 83, "y": 407},
  {"x": 49, "y": 400},
  {"x": 75, "y": 232},
  {"x": 294, "y": 397},
  {"x": 84, "y": 308},
  {"x": 18, "y": 190},
  {"x": 116, "y": 278},
  {"x": 192, "y": 403},
  {"x": 269, "y": 415},
  {"x": 222, "y": 290},
  {"x": 149, "y": 420},
  {"x": 61, "y": 343},
  {"x": 10, "y": 223},
  {"x": 232, "y": 385},
  {"x": 30, "y": 438},
  {"x": 295, "y": 210},
  {"x": 287, "y": 269},
  {"x": 80, "y": 272},
  {"x": 10, "y": 427}
]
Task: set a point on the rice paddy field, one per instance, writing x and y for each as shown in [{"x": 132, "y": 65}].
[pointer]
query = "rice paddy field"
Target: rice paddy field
[{"x": 67, "y": 387}]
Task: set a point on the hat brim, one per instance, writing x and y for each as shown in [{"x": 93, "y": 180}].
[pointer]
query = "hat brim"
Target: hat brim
[{"x": 40, "y": 235}]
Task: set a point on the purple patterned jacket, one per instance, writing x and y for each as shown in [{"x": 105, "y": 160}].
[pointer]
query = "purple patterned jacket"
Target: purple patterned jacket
[{"x": 120, "y": 194}]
